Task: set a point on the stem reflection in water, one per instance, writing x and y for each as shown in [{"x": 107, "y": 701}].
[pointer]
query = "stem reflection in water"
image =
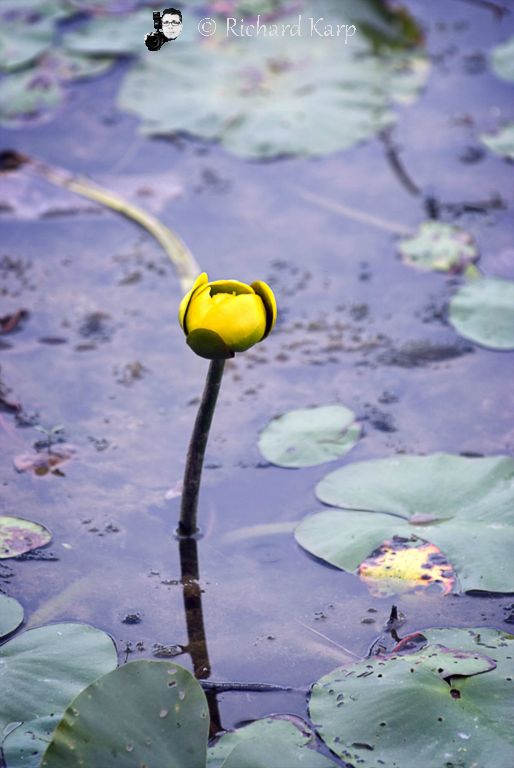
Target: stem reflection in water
[{"x": 197, "y": 641}]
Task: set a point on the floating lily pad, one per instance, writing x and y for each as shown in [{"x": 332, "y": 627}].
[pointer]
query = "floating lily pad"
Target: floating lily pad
[
  {"x": 273, "y": 742},
  {"x": 303, "y": 95},
  {"x": 402, "y": 565},
  {"x": 18, "y": 536},
  {"x": 501, "y": 142},
  {"x": 143, "y": 713},
  {"x": 28, "y": 93},
  {"x": 502, "y": 59},
  {"x": 111, "y": 35},
  {"x": 274, "y": 753},
  {"x": 483, "y": 311},
  {"x": 120, "y": 35},
  {"x": 269, "y": 727},
  {"x": 464, "y": 506},
  {"x": 438, "y": 706},
  {"x": 309, "y": 436},
  {"x": 43, "y": 669},
  {"x": 21, "y": 43},
  {"x": 438, "y": 246},
  {"x": 24, "y": 747},
  {"x": 11, "y": 615}
]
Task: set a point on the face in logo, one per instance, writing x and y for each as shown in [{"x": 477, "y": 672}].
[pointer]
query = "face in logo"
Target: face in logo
[{"x": 171, "y": 23}]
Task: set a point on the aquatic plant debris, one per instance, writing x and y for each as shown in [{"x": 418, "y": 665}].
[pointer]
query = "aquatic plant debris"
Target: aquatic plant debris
[
  {"x": 464, "y": 506},
  {"x": 483, "y": 311},
  {"x": 307, "y": 437},
  {"x": 440, "y": 247},
  {"x": 403, "y": 565},
  {"x": 42, "y": 463},
  {"x": 460, "y": 684},
  {"x": 18, "y": 536}
]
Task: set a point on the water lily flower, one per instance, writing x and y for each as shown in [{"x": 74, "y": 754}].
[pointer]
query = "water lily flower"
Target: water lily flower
[{"x": 222, "y": 317}]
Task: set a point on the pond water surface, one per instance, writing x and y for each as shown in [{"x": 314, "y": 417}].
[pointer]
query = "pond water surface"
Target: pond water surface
[{"x": 101, "y": 353}]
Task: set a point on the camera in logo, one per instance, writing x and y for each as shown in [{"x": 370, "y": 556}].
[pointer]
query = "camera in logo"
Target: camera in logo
[{"x": 167, "y": 26}]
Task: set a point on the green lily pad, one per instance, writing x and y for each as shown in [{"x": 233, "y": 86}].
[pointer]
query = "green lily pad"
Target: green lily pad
[
  {"x": 309, "y": 436},
  {"x": 11, "y": 615},
  {"x": 22, "y": 43},
  {"x": 300, "y": 95},
  {"x": 43, "y": 669},
  {"x": 274, "y": 753},
  {"x": 464, "y": 506},
  {"x": 18, "y": 536},
  {"x": 438, "y": 246},
  {"x": 150, "y": 713},
  {"x": 399, "y": 711},
  {"x": 111, "y": 35},
  {"x": 24, "y": 747},
  {"x": 28, "y": 93},
  {"x": 502, "y": 59},
  {"x": 271, "y": 742},
  {"x": 501, "y": 142},
  {"x": 269, "y": 727},
  {"x": 483, "y": 311},
  {"x": 436, "y": 707}
]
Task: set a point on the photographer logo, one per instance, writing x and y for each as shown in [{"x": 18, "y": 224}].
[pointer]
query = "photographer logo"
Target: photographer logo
[{"x": 167, "y": 27}]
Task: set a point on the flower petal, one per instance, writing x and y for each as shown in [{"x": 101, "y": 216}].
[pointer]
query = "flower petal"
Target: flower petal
[
  {"x": 184, "y": 304},
  {"x": 239, "y": 320},
  {"x": 270, "y": 305}
]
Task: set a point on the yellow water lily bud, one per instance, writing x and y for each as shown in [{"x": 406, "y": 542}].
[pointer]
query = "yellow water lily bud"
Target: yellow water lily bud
[{"x": 222, "y": 317}]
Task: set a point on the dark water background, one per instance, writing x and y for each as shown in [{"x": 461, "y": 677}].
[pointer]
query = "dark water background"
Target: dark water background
[{"x": 101, "y": 353}]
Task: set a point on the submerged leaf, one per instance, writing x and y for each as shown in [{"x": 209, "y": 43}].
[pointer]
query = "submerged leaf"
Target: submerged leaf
[
  {"x": 18, "y": 536},
  {"x": 438, "y": 706},
  {"x": 309, "y": 436},
  {"x": 438, "y": 246},
  {"x": 483, "y": 311}
]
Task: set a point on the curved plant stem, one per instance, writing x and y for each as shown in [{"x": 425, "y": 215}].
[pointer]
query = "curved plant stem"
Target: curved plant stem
[
  {"x": 178, "y": 252},
  {"x": 195, "y": 455}
]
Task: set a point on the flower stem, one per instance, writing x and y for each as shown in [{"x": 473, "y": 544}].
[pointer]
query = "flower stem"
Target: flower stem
[{"x": 195, "y": 455}]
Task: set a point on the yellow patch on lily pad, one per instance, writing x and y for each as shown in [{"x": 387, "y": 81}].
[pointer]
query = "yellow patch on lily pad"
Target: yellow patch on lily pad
[{"x": 402, "y": 565}]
